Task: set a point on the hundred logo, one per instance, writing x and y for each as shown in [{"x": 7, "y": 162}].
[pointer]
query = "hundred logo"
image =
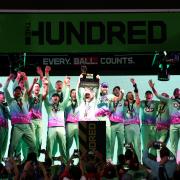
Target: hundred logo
[{"x": 96, "y": 32}]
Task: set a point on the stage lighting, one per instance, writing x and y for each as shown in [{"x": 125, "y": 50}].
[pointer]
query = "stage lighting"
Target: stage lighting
[
  {"x": 20, "y": 62},
  {"x": 163, "y": 72},
  {"x": 163, "y": 60}
]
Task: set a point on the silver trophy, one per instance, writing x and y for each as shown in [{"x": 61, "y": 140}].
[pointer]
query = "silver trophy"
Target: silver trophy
[{"x": 88, "y": 80}]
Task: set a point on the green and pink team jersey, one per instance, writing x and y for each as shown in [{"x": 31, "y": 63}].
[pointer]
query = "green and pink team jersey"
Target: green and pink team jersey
[
  {"x": 148, "y": 112},
  {"x": 35, "y": 107},
  {"x": 19, "y": 114},
  {"x": 71, "y": 112},
  {"x": 162, "y": 117},
  {"x": 117, "y": 114},
  {"x": 56, "y": 111},
  {"x": 103, "y": 105},
  {"x": 55, "y": 114},
  {"x": 131, "y": 114},
  {"x": 174, "y": 109}
]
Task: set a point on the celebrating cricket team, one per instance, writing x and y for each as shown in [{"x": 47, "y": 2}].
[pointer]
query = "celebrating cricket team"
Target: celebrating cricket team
[{"x": 128, "y": 119}]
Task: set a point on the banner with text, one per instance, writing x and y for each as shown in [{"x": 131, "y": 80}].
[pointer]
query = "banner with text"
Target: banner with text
[
  {"x": 92, "y": 137},
  {"x": 89, "y": 32},
  {"x": 96, "y": 63}
]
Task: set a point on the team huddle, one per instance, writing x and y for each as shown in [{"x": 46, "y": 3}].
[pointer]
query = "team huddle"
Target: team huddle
[{"x": 127, "y": 118}]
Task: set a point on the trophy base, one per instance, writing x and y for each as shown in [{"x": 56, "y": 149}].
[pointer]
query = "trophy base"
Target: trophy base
[{"x": 91, "y": 83}]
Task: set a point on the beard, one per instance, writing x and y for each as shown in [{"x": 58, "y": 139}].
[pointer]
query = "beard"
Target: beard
[{"x": 87, "y": 96}]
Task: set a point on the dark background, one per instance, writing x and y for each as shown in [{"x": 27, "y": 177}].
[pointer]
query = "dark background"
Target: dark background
[
  {"x": 142, "y": 64},
  {"x": 89, "y": 4}
]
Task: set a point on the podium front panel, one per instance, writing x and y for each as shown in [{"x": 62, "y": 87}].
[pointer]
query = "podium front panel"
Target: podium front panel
[{"x": 92, "y": 137}]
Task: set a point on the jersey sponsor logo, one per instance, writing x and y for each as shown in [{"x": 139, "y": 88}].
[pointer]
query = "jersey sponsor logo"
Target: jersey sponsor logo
[
  {"x": 120, "y": 104},
  {"x": 176, "y": 105},
  {"x": 148, "y": 109}
]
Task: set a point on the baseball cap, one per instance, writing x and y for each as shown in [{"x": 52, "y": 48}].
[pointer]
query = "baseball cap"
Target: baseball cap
[
  {"x": 55, "y": 94},
  {"x": 104, "y": 84},
  {"x": 148, "y": 92}
]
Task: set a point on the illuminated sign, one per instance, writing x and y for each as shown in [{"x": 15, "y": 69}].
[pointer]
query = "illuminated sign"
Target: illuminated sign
[{"x": 89, "y": 32}]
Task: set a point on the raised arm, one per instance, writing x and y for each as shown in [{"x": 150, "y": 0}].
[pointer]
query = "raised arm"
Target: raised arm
[
  {"x": 40, "y": 72},
  {"x": 66, "y": 85},
  {"x": 21, "y": 77},
  {"x": 31, "y": 87},
  {"x": 25, "y": 94},
  {"x": 25, "y": 80},
  {"x": 79, "y": 90},
  {"x": 5, "y": 89},
  {"x": 47, "y": 70},
  {"x": 138, "y": 102},
  {"x": 151, "y": 84},
  {"x": 45, "y": 89},
  {"x": 67, "y": 81},
  {"x": 97, "y": 90},
  {"x": 162, "y": 98}
]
